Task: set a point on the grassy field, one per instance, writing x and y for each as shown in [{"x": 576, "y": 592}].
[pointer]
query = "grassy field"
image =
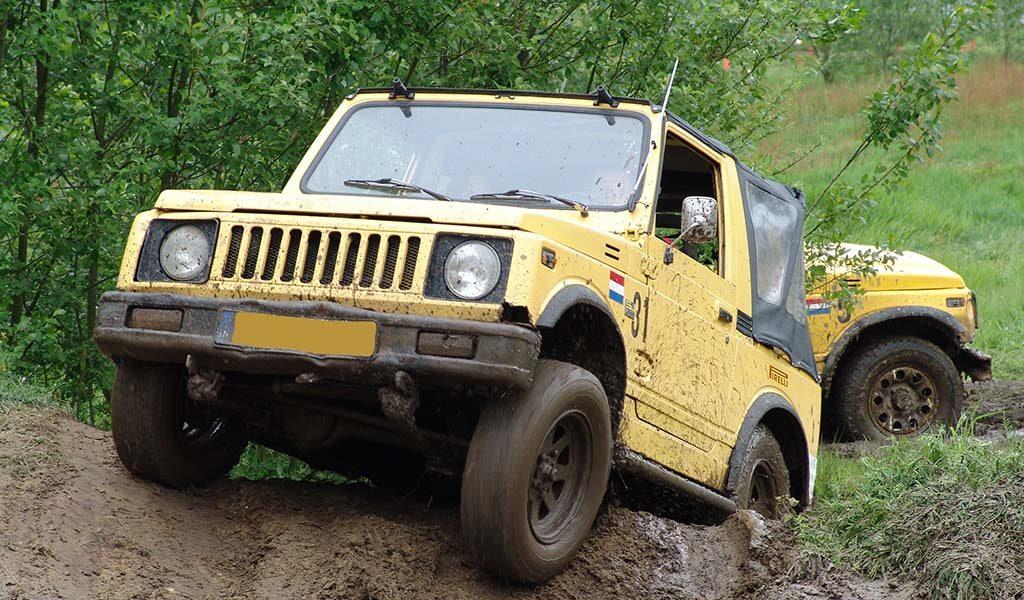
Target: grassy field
[
  {"x": 946, "y": 513},
  {"x": 964, "y": 207}
]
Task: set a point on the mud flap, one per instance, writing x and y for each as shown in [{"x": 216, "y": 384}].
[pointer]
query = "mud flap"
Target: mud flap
[
  {"x": 977, "y": 365},
  {"x": 812, "y": 475}
]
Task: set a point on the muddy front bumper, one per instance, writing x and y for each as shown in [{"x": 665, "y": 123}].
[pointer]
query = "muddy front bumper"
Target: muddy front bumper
[{"x": 443, "y": 352}]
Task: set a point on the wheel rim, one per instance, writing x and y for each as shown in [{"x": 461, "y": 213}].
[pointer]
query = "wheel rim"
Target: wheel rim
[
  {"x": 764, "y": 489},
  {"x": 560, "y": 476},
  {"x": 903, "y": 401}
]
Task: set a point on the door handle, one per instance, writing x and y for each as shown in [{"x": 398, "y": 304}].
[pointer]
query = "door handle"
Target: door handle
[{"x": 724, "y": 315}]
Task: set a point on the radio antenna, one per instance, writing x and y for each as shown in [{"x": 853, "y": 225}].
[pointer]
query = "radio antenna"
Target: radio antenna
[{"x": 668, "y": 88}]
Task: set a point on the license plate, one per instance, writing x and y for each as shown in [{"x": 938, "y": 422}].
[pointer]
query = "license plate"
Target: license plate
[{"x": 321, "y": 337}]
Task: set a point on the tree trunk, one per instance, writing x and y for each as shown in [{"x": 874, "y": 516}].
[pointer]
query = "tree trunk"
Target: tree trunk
[
  {"x": 5, "y": 21},
  {"x": 32, "y": 127},
  {"x": 90, "y": 324}
]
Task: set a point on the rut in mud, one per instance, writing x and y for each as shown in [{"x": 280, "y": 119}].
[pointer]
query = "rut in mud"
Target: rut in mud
[{"x": 74, "y": 524}]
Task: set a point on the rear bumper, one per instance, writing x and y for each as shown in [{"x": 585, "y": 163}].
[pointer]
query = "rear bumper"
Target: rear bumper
[{"x": 489, "y": 353}]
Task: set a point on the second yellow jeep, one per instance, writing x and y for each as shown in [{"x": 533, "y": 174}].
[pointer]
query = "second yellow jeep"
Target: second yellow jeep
[
  {"x": 891, "y": 364},
  {"x": 470, "y": 282}
]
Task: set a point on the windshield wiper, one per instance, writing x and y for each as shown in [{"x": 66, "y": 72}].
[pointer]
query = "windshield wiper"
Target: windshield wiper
[
  {"x": 388, "y": 183},
  {"x": 528, "y": 195}
]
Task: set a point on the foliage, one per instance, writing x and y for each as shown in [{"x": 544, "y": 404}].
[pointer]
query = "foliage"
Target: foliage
[
  {"x": 963, "y": 207},
  {"x": 258, "y": 463},
  {"x": 1007, "y": 25},
  {"x": 946, "y": 512},
  {"x": 103, "y": 105},
  {"x": 833, "y": 21},
  {"x": 902, "y": 125}
]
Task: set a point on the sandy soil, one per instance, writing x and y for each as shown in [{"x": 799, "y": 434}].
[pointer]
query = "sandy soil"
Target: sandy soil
[{"x": 74, "y": 524}]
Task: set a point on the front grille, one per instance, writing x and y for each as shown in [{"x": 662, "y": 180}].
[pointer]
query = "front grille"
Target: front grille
[{"x": 296, "y": 255}]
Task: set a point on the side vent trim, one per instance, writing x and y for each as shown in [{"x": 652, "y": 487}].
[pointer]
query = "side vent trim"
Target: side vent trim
[{"x": 745, "y": 324}]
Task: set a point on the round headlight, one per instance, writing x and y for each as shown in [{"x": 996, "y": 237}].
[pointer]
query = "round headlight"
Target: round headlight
[
  {"x": 185, "y": 253},
  {"x": 471, "y": 270}
]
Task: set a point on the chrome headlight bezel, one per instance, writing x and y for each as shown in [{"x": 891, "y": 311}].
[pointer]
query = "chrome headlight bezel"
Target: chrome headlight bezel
[
  {"x": 436, "y": 285},
  {"x": 151, "y": 267}
]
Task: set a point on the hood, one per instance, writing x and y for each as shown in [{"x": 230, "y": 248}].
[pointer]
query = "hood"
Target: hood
[
  {"x": 597, "y": 229},
  {"x": 910, "y": 271}
]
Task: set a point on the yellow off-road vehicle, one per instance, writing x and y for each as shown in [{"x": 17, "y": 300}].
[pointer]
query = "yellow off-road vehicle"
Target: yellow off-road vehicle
[
  {"x": 891, "y": 366},
  {"x": 470, "y": 282}
]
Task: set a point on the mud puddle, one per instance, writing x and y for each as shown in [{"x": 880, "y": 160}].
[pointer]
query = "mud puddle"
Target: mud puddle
[{"x": 998, "y": 406}]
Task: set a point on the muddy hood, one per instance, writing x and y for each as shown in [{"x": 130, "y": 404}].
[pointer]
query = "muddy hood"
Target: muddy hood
[{"x": 910, "y": 271}]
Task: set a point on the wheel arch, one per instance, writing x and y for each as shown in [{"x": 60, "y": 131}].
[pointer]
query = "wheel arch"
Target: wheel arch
[
  {"x": 779, "y": 416},
  {"x": 925, "y": 322},
  {"x": 601, "y": 350}
]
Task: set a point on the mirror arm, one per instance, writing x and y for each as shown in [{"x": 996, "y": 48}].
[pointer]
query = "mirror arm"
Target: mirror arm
[{"x": 669, "y": 255}]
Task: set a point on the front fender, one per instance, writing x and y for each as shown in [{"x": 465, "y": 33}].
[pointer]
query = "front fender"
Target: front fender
[
  {"x": 566, "y": 298},
  {"x": 781, "y": 418},
  {"x": 955, "y": 330}
]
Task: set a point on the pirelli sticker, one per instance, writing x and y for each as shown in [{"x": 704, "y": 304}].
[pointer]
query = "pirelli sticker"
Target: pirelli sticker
[{"x": 778, "y": 376}]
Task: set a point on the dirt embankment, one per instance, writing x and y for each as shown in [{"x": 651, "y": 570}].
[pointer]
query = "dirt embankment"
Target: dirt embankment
[{"x": 74, "y": 524}]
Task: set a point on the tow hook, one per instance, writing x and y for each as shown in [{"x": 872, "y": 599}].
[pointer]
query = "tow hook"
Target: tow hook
[
  {"x": 400, "y": 401},
  {"x": 203, "y": 384}
]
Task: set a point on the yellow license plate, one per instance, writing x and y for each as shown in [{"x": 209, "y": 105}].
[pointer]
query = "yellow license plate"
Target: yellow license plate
[{"x": 298, "y": 334}]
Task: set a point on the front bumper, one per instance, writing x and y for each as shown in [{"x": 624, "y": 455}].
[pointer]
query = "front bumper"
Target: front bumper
[{"x": 501, "y": 354}]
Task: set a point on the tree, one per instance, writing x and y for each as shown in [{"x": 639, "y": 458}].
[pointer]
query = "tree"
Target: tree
[
  {"x": 902, "y": 126},
  {"x": 1007, "y": 23}
]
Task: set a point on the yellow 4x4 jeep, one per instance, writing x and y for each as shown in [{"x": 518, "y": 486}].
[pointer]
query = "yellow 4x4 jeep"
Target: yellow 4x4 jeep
[
  {"x": 891, "y": 365},
  {"x": 471, "y": 283}
]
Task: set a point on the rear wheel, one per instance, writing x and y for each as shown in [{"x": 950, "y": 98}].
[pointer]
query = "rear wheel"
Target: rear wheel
[
  {"x": 161, "y": 435},
  {"x": 536, "y": 474},
  {"x": 761, "y": 481},
  {"x": 898, "y": 387}
]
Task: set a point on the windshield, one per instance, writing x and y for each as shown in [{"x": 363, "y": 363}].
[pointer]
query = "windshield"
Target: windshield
[{"x": 459, "y": 151}]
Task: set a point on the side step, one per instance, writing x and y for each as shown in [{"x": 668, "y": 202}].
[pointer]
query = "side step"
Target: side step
[{"x": 635, "y": 465}]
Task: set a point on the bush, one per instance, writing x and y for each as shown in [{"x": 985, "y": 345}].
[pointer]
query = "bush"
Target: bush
[
  {"x": 946, "y": 512},
  {"x": 259, "y": 463}
]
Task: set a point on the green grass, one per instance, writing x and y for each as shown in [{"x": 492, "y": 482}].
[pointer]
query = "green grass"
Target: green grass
[
  {"x": 15, "y": 390},
  {"x": 964, "y": 207},
  {"x": 945, "y": 513}
]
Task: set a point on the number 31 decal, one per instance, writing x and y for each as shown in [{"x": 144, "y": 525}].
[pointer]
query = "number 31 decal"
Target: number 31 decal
[{"x": 639, "y": 315}]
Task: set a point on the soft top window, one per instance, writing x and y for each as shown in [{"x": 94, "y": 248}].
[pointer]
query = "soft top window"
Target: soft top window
[
  {"x": 775, "y": 235},
  {"x": 774, "y": 222},
  {"x": 459, "y": 150}
]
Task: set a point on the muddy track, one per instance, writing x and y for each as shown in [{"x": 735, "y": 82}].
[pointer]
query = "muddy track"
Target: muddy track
[{"x": 74, "y": 524}]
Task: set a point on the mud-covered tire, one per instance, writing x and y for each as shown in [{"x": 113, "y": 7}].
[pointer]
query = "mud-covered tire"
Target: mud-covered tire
[
  {"x": 761, "y": 480},
  {"x": 859, "y": 405},
  {"x": 513, "y": 459},
  {"x": 149, "y": 412}
]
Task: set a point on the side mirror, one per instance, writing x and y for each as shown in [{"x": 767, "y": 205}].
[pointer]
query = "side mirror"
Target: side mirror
[{"x": 699, "y": 223}]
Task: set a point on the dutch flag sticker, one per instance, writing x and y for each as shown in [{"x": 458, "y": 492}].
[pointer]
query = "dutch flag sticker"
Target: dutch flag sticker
[
  {"x": 616, "y": 287},
  {"x": 816, "y": 305}
]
